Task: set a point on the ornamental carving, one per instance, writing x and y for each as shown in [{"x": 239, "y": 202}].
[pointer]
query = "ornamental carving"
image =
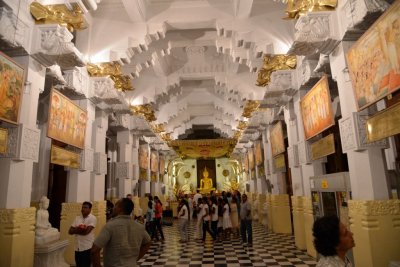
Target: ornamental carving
[
  {"x": 297, "y": 203},
  {"x": 313, "y": 35},
  {"x": 374, "y": 207},
  {"x": 353, "y": 133},
  {"x": 17, "y": 217},
  {"x": 87, "y": 159},
  {"x": 293, "y": 156},
  {"x": 298, "y": 8},
  {"x": 250, "y": 107},
  {"x": 280, "y": 200},
  {"x": 145, "y": 110},
  {"x": 122, "y": 170},
  {"x": 13, "y": 32},
  {"x": 59, "y": 14},
  {"x": 114, "y": 72},
  {"x": 54, "y": 71},
  {"x": 273, "y": 63},
  {"x": 304, "y": 152},
  {"x": 70, "y": 210},
  {"x": 52, "y": 45},
  {"x": 100, "y": 163},
  {"x": 77, "y": 83},
  {"x": 308, "y": 77},
  {"x": 282, "y": 80}
]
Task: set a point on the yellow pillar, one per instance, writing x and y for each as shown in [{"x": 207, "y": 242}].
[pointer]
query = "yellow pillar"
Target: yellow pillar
[
  {"x": 269, "y": 212},
  {"x": 17, "y": 237},
  {"x": 376, "y": 228},
  {"x": 144, "y": 201},
  {"x": 298, "y": 222},
  {"x": 99, "y": 210},
  {"x": 281, "y": 222},
  {"x": 308, "y": 224},
  {"x": 261, "y": 202},
  {"x": 69, "y": 211}
]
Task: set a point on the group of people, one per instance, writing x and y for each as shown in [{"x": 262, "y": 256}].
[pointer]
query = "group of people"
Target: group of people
[
  {"x": 125, "y": 240},
  {"x": 218, "y": 216}
]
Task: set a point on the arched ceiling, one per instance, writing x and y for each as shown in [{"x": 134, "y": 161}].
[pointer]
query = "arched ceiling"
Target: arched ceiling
[{"x": 194, "y": 61}]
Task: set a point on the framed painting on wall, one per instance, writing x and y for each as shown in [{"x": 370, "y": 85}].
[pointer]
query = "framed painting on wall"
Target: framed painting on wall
[
  {"x": 162, "y": 165},
  {"x": 144, "y": 157},
  {"x": 316, "y": 109},
  {"x": 258, "y": 153},
  {"x": 277, "y": 141},
  {"x": 245, "y": 163},
  {"x": 250, "y": 155},
  {"x": 154, "y": 161},
  {"x": 374, "y": 60},
  {"x": 11, "y": 86},
  {"x": 67, "y": 121}
]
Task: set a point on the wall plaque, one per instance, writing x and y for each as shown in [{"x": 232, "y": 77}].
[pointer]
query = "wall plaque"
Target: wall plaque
[
  {"x": 3, "y": 140},
  {"x": 323, "y": 147},
  {"x": 64, "y": 157},
  {"x": 384, "y": 124},
  {"x": 279, "y": 162}
]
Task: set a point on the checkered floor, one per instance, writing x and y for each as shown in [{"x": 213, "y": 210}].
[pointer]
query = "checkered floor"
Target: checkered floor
[{"x": 268, "y": 250}]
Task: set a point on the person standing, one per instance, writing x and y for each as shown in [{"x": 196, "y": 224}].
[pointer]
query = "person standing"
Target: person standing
[
  {"x": 183, "y": 217},
  {"x": 158, "y": 210},
  {"x": 246, "y": 228},
  {"x": 332, "y": 240},
  {"x": 124, "y": 240},
  {"x": 199, "y": 224},
  {"x": 82, "y": 228}
]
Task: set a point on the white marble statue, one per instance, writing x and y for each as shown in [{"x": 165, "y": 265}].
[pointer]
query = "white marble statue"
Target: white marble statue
[{"x": 44, "y": 233}]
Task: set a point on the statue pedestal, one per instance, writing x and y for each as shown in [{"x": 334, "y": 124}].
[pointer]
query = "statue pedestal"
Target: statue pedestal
[{"x": 51, "y": 255}]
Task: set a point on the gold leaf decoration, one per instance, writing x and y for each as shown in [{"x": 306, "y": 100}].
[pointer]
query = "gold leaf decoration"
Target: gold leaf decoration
[
  {"x": 114, "y": 71},
  {"x": 297, "y": 8},
  {"x": 144, "y": 110},
  {"x": 250, "y": 107},
  {"x": 273, "y": 63},
  {"x": 205, "y": 148},
  {"x": 158, "y": 128},
  {"x": 59, "y": 14}
]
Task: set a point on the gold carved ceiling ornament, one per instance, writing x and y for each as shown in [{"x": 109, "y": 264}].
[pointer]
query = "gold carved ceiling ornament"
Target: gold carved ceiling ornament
[
  {"x": 59, "y": 14},
  {"x": 250, "y": 107},
  {"x": 273, "y": 63},
  {"x": 242, "y": 125},
  {"x": 145, "y": 110},
  {"x": 114, "y": 71},
  {"x": 206, "y": 148},
  {"x": 237, "y": 135},
  {"x": 297, "y": 8},
  {"x": 158, "y": 128},
  {"x": 166, "y": 137}
]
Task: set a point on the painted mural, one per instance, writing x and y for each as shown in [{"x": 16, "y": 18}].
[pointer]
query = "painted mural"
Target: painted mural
[
  {"x": 258, "y": 153},
  {"x": 154, "y": 161},
  {"x": 144, "y": 157},
  {"x": 277, "y": 141}
]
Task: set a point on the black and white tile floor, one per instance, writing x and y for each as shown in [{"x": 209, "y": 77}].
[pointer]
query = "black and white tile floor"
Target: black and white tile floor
[{"x": 268, "y": 249}]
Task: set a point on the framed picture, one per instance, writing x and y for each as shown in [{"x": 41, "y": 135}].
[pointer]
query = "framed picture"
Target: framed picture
[
  {"x": 154, "y": 162},
  {"x": 3, "y": 140},
  {"x": 67, "y": 121},
  {"x": 245, "y": 163},
  {"x": 277, "y": 141},
  {"x": 63, "y": 157},
  {"x": 316, "y": 109},
  {"x": 144, "y": 157},
  {"x": 258, "y": 153},
  {"x": 374, "y": 60},
  {"x": 250, "y": 155},
  {"x": 162, "y": 166},
  {"x": 11, "y": 86}
]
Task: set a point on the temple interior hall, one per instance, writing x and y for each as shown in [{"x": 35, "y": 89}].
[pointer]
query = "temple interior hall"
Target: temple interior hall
[{"x": 295, "y": 103}]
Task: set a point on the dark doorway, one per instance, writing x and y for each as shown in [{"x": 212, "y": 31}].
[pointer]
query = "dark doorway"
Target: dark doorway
[
  {"x": 56, "y": 193},
  {"x": 201, "y": 165}
]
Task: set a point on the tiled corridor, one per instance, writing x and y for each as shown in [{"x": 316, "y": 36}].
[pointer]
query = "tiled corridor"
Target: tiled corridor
[{"x": 268, "y": 250}]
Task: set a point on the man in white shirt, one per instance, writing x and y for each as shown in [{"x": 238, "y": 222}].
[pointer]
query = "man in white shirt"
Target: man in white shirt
[
  {"x": 196, "y": 197},
  {"x": 82, "y": 228}
]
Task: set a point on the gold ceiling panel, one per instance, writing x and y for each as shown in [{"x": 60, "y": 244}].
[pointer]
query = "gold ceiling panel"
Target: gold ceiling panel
[
  {"x": 114, "y": 71},
  {"x": 59, "y": 14},
  {"x": 144, "y": 110},
  {"x": 250, "y": 107},
  {"x": 297, "y": 8},
  {"x": 206, "y": 148},
  {"x": 273, "y": 63}
]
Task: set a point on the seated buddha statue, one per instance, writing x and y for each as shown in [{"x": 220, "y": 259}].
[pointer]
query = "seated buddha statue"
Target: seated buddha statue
[
  {"x": 44, "y": 233},
  {"x": 206, "y": 183}
]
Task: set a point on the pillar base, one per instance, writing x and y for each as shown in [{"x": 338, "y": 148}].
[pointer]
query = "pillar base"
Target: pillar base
[
  {"x": 69, "y": 211},
  {"x": 308, "y": 224},
  {"x": 17, "y": 236},
  {"x": 50, "y": 255},
  {"x": 281, "y": 222},
  {"x": 376, "y": 228},
  {"x": 298, "y": 222}
]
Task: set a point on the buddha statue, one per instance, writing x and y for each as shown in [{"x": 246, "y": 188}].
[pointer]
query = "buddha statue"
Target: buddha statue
[
  {"x": 44, "y": 233},
  {"x": 206, "y": 183}
]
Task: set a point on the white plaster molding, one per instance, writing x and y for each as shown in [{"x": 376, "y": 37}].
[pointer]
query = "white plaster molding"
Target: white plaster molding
[
  {"x": 121, "y": 170},
  {"x": 77, "y": 83},
  {"x": 121, "y": 121},
  {"x": 23, "y": 143},
  {"x": 103, "y": 90},
  {"x": 100, "y": 163},
  {"x": 293, "y": 156},
  {"x": 314, "y": 33},
  {"x": 87, "y": 157},
  {"x": 54, "y": 71},
  {"x": 268, "y": 165},
  {"x": 52, "y": 45},
  {"x": 304, "y": 152},
  {"x": 356, "y": 16},
  {"x": 13, "y": 31},
  {"x": 353, "y": 134}
]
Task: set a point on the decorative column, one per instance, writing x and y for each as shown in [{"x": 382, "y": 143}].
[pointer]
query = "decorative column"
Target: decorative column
[
  {"x": 123, "y": 171},
  {"x": 17, "y": 221}
]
